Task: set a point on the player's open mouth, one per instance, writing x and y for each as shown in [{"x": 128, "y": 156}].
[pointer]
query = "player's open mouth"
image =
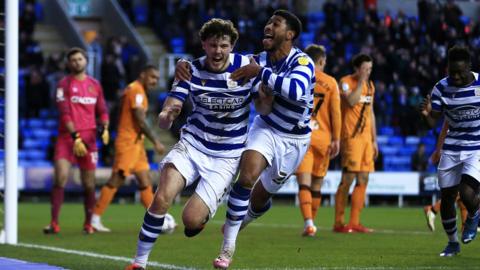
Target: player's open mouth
[{"x": 267, "y": 37}]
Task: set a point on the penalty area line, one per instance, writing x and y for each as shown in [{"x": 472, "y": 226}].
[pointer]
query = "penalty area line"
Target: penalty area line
[{"x": 101, "y": 256}]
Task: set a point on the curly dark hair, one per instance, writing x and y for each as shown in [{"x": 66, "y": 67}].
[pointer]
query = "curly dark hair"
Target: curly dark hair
[{"x": 218, "y": 28}]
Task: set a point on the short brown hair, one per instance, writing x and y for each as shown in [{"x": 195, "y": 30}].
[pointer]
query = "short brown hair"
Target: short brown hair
[
  {"x": 76, "y": 50},
  {"x": 218, "y": 28},
  {"x": 315, "y": 52}
]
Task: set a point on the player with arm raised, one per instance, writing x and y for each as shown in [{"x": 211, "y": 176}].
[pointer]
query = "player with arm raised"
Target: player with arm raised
[
  {"x": 457, "y": 98},
  {"x": 130, "y": 157},
  {"x": 80, "y": 101},
  {"x": 212, "y": 139},
  {"x": 325, "y": 141},
  {"x": 277, "y": 141},
  {"x": 359, "y": 143}
]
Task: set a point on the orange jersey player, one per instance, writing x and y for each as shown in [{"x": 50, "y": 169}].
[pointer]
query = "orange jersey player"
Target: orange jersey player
[
  {"x": 325, "y": 140},
  {"x": 359, "y": 143},
  {"x": 130, "y": 157}
]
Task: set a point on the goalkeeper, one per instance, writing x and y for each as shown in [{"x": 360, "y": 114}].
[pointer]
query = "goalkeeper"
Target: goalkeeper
[{"x": 80, "y": 101}]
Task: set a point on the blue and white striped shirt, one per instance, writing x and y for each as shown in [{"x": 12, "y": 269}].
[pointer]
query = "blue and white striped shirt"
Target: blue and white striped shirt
[
  {"x": 292, "y": 81},
  {"x": 218, "y": 123},
  {"x": 461, "y": 107}
]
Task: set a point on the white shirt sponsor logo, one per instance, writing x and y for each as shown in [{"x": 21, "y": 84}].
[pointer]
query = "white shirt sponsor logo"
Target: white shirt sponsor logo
[
  {"x": 366, "y": 99},
  {"x": 60, "y": 96},
  {"x": 83, "y": 100},
  {"x": 465, "y": 113}
]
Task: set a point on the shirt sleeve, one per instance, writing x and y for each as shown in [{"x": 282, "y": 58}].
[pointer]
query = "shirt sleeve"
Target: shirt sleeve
[
  {"x": 295, "y": 84},
  {"x": 336, "y": 113},
  {"x": 436, "y": 99},
  {"x": 101, "y": 106},
  {"x": 63, "y": 101}
]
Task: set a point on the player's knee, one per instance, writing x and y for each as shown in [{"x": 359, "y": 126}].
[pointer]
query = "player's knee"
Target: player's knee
[
  {"x": 468, "y": 182},
  {"x": 192, "y": 232},
  {"x": 449, "y": 194}
]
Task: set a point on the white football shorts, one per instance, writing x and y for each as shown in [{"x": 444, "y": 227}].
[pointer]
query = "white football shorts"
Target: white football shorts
[
  {"x": 452, "y": 166},
  {"x": 283, "y": 153},
  {"x": 216, "y": 174}
]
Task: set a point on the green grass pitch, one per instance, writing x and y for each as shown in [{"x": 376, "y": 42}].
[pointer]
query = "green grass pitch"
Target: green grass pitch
[{"x": 401, "y": 241}]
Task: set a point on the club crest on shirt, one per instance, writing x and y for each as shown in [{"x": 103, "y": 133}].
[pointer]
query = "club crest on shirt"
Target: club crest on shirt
[
  {"x": 203, "y": 82},
  {"x": 477, "y": 91},
  {"x": 91, "y": 89},
  {"x": 231, "y": 84},
  {"x": 303, "y": 60}
]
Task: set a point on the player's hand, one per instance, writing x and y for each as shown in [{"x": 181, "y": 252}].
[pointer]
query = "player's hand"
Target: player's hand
[
  {"x": 375, "y": 150},
  {"x": 159, "y": 147},
  {"x": 168, "y": 114},
  {"x": 426, "y": 106},
  {"x": 182, "y": 71},
  {"x": 435, "y": 157},
  {"x": 79, "y": 147},
  {"x": 247, "y": 72},
  {"x": 334, "y": 148},
  {"x": 105, "y": 135}
]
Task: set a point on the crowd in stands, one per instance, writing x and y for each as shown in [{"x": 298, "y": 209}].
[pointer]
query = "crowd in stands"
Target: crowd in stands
[{"x": 409, "y": 51}]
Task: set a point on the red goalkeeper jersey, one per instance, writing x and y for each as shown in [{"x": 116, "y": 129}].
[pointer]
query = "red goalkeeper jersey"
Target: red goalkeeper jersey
[{"x": 80, "y": 102}]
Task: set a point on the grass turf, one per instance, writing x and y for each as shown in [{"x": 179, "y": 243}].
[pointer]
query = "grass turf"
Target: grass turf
[{"x": 401, "y": 241}]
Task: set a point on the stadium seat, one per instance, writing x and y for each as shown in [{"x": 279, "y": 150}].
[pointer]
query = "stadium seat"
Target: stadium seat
[
  {"x": 412, "y": 140},
  {"x": 141, "y": 15},
  {"x": 178, "y": 45},
  {"x": 36, "y": 155},
  {"x": 42, "y": 133},
  {"x": 382, "y": 139},
  {"x": 389, "y": 131},
  {"x": 397, "y": 140},
  {"x": 389, "y": 150},
  {"x": 29, "y": 143}
]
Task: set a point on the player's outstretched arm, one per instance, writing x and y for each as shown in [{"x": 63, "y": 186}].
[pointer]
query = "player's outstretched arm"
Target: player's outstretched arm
[
  {"x": 435, "y": 157},
  {"x": 171, "y": 109},
  {"x": 431, "y": 116},
  {"x": 140, "y": 119}
]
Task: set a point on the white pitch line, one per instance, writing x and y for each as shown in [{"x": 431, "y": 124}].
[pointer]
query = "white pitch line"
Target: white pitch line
[
  {"x": 293, "y": 226},
  {"x": 366, "y": 268},
  {"x": 102, "y": 256}
]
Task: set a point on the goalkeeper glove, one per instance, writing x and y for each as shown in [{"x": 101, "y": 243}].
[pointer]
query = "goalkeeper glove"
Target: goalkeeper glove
[
  {"x": 104, "y": 134},
  {"x": 79, "y": 147}
]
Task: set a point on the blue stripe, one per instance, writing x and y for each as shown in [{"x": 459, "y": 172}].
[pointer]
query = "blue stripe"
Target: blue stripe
[
  {"x": 197, "y": 64},
  {"x": 218, "y": 132},
  {"x": 436, "y": 107},
  {"x": 237, "y": 208},
  {"x": 278, "y": 84},
  {"x": 183, "y": 84},
  {"x": 464, "y": 129},
  {"x": 440, "y": 87},
  {"x": 301, "y": 73},
  {"x": 285, "y": 118},
  {"x": 453, "y": 147},
  {"x": 224, "y": 120},
  {"x": 228, "y": 93},
  {"x": 142, "y": 237},
  {"x": 453, "y": 106},
  {"x": 234, "y": 218},
  {"x": 152, "y": 230},
  {"x": 466, "y": 137},
  {"x": 209, "y": 82},
  {"x": 295, "y": 130},
  {"x": 178, "y": 95},
  {"x": 287, "y": 105},
  {"x": 217, "y": 146},
  {"x": 459, "y": 94},
  {"x": 237, "y": 61},
  {"x": 153, "y": 221},
  {"x": 477, "y": 82},
  {"x": 292, "y": 90},
  {"x": 436, "y": 97},
  {"x": 241, "y": 191},
  {"x": 266, "y": 75}
]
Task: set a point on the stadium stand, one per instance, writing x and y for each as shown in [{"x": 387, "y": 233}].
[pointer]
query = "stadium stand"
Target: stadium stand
[{"x": 405, "y": 66}]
